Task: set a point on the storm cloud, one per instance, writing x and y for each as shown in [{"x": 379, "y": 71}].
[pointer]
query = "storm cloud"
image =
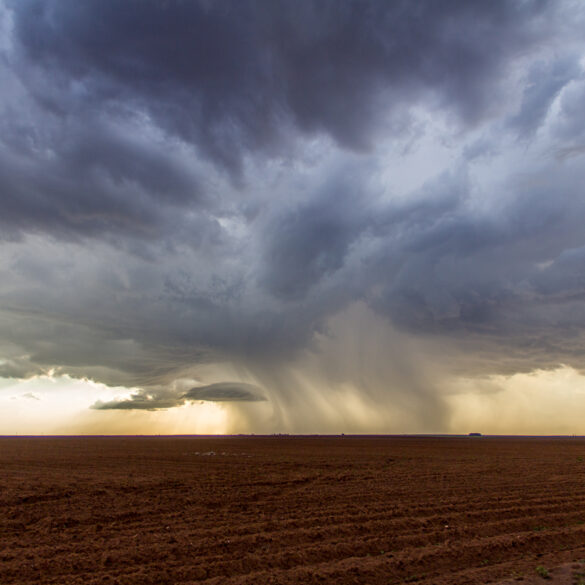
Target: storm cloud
[
  {"x": 218, "y": 392},
  {"x": 195, "y": 192}
]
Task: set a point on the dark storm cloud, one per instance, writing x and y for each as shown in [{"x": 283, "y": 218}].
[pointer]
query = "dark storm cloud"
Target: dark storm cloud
[
  {"x": 218, "y": 392},
  {"x": 226, "y": 392},
  {"x": 188, "y": 183},
  {"x": 543, "y": 84},
  {"x": 96, "y": 185},
  {"x": 142, "y": 401},
  {"x": 229, "y": 79},
  {"x": 514, "y": 280},
  {"x": 310, "y": 241},
  {"x": 111, "y": 102},
  {"x": 571, "y": 125}
]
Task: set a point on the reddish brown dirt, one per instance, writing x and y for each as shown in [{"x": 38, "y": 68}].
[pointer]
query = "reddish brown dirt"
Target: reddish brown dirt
[{"x": 284, "y": 510}]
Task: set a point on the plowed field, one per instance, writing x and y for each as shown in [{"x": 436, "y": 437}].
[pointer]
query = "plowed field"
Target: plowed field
[{"x": 287, "y": 510}]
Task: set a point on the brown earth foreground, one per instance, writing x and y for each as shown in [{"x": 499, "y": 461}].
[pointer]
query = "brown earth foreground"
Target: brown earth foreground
[{"x": 256, "y": 510}]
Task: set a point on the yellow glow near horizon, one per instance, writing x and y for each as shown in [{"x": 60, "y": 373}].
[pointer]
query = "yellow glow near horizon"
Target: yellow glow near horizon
[
  {"x": 45, "y": 405},
  {"x": 539, "y": 403},
  {"x": 543, "y": 402},
  {"x": 205, "y": 418}
]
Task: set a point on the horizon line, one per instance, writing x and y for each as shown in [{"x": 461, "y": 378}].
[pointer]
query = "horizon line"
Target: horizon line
[{"x": 295, "y": 435}]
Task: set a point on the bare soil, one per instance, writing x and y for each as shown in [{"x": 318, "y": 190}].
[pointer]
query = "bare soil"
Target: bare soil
[{"x": 292, "y": 510}]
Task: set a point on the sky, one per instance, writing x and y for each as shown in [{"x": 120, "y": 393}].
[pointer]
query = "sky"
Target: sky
[{"x": 267, "y": 216}]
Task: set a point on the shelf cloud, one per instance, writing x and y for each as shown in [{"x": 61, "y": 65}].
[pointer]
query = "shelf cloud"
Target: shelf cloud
[{"x": 218, "y": 392}]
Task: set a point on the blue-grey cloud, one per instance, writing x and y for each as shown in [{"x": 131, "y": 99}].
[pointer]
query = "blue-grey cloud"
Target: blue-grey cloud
[
  {"x": 190, "y": 183},
  {"x": 544, "y": 82},
  {"x": 106, "y": 96},
  {"x": 226, "y": 392}
]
